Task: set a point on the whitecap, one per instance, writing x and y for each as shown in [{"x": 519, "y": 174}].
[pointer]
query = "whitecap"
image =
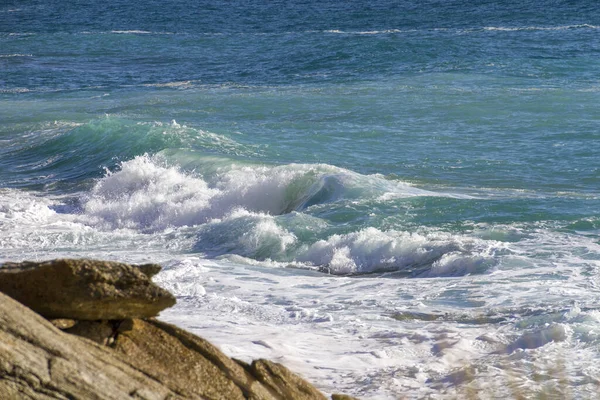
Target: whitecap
[
  {"x": 540, "y": 28},
  {"x": 425, "y": 255},
  {"x": 15, "y": 55}
]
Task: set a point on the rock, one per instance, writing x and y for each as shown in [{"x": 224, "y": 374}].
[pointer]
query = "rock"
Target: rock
[
  {"x": 85, "y": 289},
  {"x": 125, "y": 325},
  {"x": 285, "y": 383},
  {"x": 342, "y": 397},
  {"x": 38, "y": 361},
  {"x": 101, "y": 332},
  {"x": 63, "y": 323},
  {"x": 168, "y": 359}
]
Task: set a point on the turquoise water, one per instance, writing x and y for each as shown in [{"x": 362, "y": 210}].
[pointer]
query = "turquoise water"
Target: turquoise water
[{"x": 436, "y": 139}]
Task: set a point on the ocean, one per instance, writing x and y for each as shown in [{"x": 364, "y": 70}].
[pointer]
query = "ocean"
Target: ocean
[{"x": 395, "y": 199}]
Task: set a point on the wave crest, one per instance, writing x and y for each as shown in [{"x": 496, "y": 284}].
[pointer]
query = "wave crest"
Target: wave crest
[
  {"x": 263, "y": 213},
  {"x": 373, "y": 250}
]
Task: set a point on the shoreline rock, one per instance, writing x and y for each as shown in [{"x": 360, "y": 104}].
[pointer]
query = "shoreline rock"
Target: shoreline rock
[
  {"x": 120, "y": 355},
  {"x": 38, "y": 361},
  {"x": 85, "y": 289}
]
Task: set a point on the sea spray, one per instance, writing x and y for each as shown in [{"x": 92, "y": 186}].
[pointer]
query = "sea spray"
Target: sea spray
[{"x": 247, "y": 211}]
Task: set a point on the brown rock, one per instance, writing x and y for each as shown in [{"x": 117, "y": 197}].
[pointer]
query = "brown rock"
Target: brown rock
[
  {"x": 85, "y": 289},
  {"x": 342, "y": 397},
  {"x": 193, "y": 368},
  {"x": 284, "y": 382},
  {"x": 101, "y": 332},
  {"x": 124, "y": 325},
  {"x": 187, "y": 364},
  {"x": 38, "y": 361},
  {"x": 149, "y": 269}
]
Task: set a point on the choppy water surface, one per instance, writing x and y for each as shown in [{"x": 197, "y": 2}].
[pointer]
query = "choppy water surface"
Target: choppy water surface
[{"x": 391, "y": 199}]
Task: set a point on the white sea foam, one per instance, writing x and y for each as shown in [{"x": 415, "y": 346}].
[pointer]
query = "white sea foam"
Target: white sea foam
[
  {"x": 146, "y": 193},
  {"x": 258, "y": 237},
  {"x": 15, "y": 55},
  {"x": 18, "y": 207},
  {"x": 139, "y": 32},
  {"x": 235, "y": 209},
  {"x": 176, "y": 84},
  {"x": 125, "y": 32},
  {"x": 15, "y": 90},
  {"x": 462, "y": 30},
  {"x": 373, "y": 32},
  {"x": 33, "y": 226},
  {"x": 371, "y": 250},
  {"x": 30, "y": 222},
  {"x": 254, "y": 235},
  {"x": 541, "y": 28},
  {"x": 252, "y": 312}
]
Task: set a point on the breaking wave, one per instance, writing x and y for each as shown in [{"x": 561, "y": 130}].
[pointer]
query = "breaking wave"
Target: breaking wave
[{"x": 265, "y": 213}]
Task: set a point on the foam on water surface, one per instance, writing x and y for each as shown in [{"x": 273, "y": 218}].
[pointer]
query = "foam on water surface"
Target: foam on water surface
[{"x": 394, "y": 337}]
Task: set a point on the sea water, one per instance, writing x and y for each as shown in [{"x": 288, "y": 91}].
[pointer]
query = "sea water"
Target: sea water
[{"x": 392, "y": 198}]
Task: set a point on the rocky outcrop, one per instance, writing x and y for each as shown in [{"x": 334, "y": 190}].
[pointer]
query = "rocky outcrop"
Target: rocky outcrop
[
  {"x": 118, "y": 358},
  {"x": 281, "y": 380},
  {"x": 85, "y": 289},
  {"x": 38, "y": 361},
  {"x": 206, "y": 372}
]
